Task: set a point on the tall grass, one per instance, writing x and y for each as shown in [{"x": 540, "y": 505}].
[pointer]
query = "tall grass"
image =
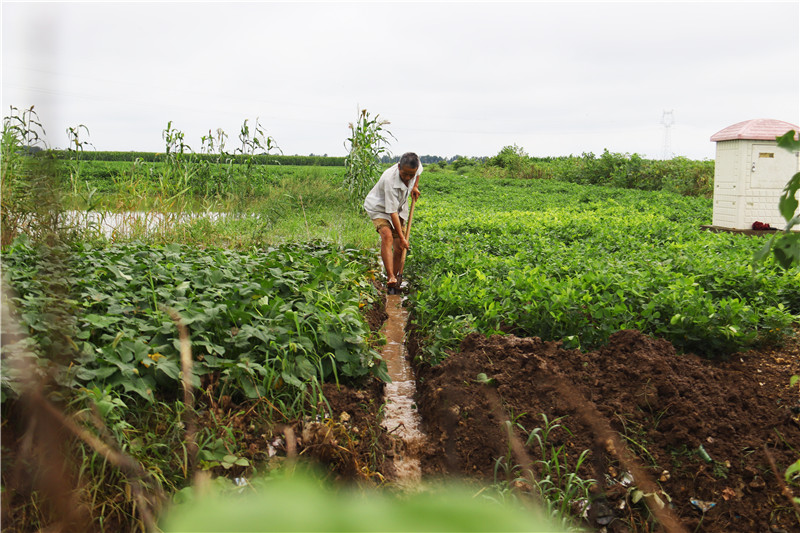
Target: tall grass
[{"x": 211, "y": 198}]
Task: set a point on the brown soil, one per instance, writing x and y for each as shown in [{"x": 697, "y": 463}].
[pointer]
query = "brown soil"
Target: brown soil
[{"x": 664, "y": 405}]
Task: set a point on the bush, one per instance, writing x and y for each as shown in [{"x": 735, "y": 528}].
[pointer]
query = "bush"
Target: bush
[
  {"x": 630, "y": 171},
  {"x": 512, "y": 158}
]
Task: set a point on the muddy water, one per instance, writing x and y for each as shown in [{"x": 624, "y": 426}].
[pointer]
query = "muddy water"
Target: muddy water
[{"x": 400, "y": 413}]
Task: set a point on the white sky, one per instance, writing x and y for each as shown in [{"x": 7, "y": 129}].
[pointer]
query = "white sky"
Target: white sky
[{"x": 451, "y": 77}]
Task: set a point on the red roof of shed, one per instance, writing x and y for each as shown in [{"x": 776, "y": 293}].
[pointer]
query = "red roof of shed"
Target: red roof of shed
[{"x": 758, "y": 129}]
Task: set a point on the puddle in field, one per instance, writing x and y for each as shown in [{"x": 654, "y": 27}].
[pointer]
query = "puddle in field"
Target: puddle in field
[
  {"x": 401, "y": 417},
  {"x": 121, "y": 224}
]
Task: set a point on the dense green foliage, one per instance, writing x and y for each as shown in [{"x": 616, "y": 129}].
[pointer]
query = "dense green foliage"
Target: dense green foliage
[
  {"x": 631, "y": 171},
  {"x": 572, "y": 262},
  {"x": 271, "y": 321}
]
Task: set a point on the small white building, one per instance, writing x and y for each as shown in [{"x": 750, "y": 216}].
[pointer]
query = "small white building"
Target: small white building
[{"x": 750, "y": 173}]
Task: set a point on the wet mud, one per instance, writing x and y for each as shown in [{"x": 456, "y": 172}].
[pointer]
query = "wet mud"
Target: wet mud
[{"x": 703, "y": 435}]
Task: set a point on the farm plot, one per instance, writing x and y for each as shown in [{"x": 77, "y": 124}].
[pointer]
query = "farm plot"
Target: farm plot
[
  {"x": 274, "y": 323},
  {"x": 572, "y": 263},
  {"x": 663, "y": 409}
]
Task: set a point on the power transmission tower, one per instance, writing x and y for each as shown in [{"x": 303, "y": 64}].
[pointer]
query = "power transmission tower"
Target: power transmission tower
[{"x": 667, "y": 120}]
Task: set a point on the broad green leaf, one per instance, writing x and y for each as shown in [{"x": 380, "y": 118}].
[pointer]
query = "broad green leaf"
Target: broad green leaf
[
  {"x": 169, "y": 368},
  {"x": 143, "y": 386},
  {"x": 334, "y": 340},
  {"x": 787, "y": 141},
  {"x": 787, "y": 204},
  {"x": 304, "y": 368},
  {"x": 99, "y": 321},
  {"x": 291, "y": 379}
]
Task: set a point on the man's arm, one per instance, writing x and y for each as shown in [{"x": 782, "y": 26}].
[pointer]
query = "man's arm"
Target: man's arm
[
  {"x": 399, "y": 228},
  {"x": 415, "y": 191}
]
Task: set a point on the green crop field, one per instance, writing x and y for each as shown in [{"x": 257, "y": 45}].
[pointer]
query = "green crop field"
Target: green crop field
[
  {"x": 269, "y": 322},
  {"x": 565, "y": 261}
]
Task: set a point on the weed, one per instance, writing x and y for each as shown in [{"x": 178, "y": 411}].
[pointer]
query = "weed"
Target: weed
[{"x": 563, "y": 492}]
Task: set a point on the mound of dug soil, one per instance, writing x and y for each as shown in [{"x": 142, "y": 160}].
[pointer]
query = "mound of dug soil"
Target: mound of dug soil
[{"x": 686, "y": 428}]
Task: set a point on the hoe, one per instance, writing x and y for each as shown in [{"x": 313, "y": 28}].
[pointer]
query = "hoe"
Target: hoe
[{"x": 396, "y": 288}]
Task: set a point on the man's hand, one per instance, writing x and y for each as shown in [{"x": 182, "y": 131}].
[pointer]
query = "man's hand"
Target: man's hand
[
  {"x": 404, "y": 244},
  {"x": 415, "y": 193}
]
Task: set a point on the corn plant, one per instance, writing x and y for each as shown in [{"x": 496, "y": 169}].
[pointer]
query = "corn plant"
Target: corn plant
[
  {"x": 178, "y": 170},
  {"x": 367, "y": 142},
  {"x": 254, "y": 142},
  {"x": 75, "y": 150},
  {"x": 23, "y": 136},
  {"x": 221, "y": 162}
]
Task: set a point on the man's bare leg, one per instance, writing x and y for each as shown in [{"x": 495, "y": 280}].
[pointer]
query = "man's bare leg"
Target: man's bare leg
[
  {"x": 387, "y": 255},
  {"x": 397, "y": 260}
]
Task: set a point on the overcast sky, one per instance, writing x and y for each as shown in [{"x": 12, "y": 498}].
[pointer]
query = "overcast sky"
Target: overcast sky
[{"x": 452, "y": 77}]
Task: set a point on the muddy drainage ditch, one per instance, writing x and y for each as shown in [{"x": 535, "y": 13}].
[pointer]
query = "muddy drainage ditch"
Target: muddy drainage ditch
[{"x": 401, "y": 417}]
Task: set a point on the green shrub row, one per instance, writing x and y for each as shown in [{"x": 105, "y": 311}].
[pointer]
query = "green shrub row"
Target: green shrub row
[{"x": 680, "y": 175}]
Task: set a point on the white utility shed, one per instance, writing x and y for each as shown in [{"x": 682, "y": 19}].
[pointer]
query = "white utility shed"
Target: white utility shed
[{"x": 750, "y": 173}]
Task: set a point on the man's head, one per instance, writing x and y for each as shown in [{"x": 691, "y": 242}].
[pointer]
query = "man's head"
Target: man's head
[{"x": 408, "y": 165}]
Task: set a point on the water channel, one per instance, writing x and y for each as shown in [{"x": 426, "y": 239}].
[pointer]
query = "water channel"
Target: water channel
[{"x": 401, "y": 417}]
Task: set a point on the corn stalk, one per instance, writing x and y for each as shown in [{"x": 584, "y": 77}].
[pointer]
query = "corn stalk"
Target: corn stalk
[{"x": 367, "y": 141}]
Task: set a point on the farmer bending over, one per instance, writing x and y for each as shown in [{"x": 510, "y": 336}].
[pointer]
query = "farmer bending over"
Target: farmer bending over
[{"x": 387, "y": 206}]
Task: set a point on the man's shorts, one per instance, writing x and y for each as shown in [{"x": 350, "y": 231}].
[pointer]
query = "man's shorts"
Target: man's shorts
[{"x": 381, "y": 222}]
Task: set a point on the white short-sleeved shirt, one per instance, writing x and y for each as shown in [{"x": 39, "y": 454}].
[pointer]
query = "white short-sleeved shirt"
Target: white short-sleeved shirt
[{"x": 390, "y": 195}]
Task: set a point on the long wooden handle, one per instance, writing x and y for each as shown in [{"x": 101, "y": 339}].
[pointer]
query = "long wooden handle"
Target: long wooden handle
[
  {"x": 408, "y": 233},
  {"x": 410, "y": 218}
]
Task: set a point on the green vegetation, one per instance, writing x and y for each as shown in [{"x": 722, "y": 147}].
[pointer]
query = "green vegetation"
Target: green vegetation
[
  {"x": 578, "y": 263},
  {"x": 273, "y": 323},
  {"x": 367, "y": 142},
  {"x": 785, "y": 245},
  {"x": 283, "y": 505},
  {"x": 233, "y": 204},
  {"x": 561, "y": 489},
  {"x": 270, "y": 275},
  {"x": 236, "y": 159},
  {"x": 630, "y": 171}
]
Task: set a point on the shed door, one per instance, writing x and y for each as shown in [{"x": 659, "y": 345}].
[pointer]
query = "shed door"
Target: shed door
[{"x": 771, "y": 166}]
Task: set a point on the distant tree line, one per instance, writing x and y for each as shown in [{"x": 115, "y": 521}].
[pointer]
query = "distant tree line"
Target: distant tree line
[{"x": 433, "y": 159}]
